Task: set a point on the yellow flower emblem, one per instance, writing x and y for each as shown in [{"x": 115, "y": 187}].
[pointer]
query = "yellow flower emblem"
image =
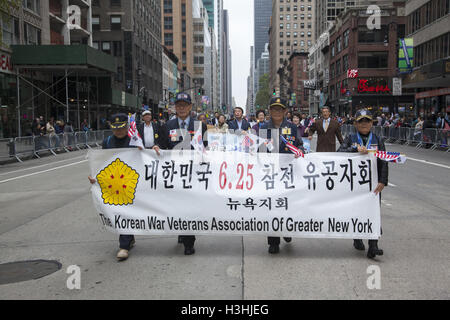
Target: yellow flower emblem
[
  {"x": 118, "y": 182},
  {"x": 156, "y": 136}
]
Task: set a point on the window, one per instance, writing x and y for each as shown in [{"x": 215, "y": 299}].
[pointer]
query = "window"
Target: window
[
  {"x": 372, "y": 36},
  {"x": 345, "y": 63},
  {"x": 33, "y": 5},
  {"x": 95, "y": 23},
  {"x": 281, "y": 17},
  {"x": 373, "y": 59},
  {"x": 346, "y": 38},
  {"x": 95, "y": 44},
  {"x": 168, "y": 23},
  {"x": 115, "y": 3},
  {"x": 32, "y": 35},
  {"x": 10, "y": 30},
  {"x": 281, "y": 26},
  {"x": 339, "y": 44},
  {"x": 117, "y": 48},
  {"x": 168, "y": 39},
  {"x": 332, "y": 49},
  {"x": 167, "y": 6},
  {"x": 106, "y": 47},
  {"x": 116, "y": 22},
  {"x": 119, "y": 74}
]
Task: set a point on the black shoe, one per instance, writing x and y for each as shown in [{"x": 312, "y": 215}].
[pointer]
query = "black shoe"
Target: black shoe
[
  {"x": 287, "y": 239},
  {"x": 359, "y": 244},
  {"x": 180, "y": 239},
  {"x": 189, "y": 250},
  {"x": 274, "y": 248},
  {"x": 374, "y": 251}
]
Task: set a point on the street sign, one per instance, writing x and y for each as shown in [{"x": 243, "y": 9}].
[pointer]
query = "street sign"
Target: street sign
[{"x": 396, "y": 86}]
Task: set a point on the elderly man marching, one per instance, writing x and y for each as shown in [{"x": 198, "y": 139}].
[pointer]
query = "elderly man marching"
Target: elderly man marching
[
  {"x": 362, "y": 141},
  {"x": 288, "y": 130},
  {"x": 183, "y": 121}
]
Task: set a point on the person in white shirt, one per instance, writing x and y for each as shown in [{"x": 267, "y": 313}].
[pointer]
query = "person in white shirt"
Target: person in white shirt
[{"x": 150, "y": 132}]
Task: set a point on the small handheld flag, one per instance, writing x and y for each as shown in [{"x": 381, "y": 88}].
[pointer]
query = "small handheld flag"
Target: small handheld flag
[
  {"x": 388, "y": 156},
  {"x": 292, "y": 148}
]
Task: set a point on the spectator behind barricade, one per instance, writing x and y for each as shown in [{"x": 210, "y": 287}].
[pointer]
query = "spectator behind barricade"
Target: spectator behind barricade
[
  {"x": 418, "y": 127},
  {"x": 36, "y": 127},
  {"x": 50, "y": 128},
  {"x": 289, "y": 116},
  {"x": 261, "y": 120},
  {"x": 59, "y": 127},
  {"x": 85, "y": 126}
]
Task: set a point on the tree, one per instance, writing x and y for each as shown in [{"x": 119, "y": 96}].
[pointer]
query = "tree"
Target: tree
[
  {"x": 6, "y": 6},
  {"x": 263, "y": 96}
]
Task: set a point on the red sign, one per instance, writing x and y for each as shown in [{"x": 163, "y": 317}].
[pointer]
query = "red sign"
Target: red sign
[
  {"x": 5, "y": 63},
  {"x": 352, "y": 73},
  {"x": 363, "y": 87}
]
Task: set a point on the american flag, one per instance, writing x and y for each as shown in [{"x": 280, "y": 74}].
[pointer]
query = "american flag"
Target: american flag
[
  {"x": 388, "y": 156},
  {"x": 291, "y": 147},
  {"x": 133, "y": 133},
  {"x": 247, "y": 142}
]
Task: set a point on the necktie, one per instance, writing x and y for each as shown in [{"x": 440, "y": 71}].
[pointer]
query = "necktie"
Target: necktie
[
  {"x": 326, "y": 125},
  {"x": 183, "y": 125}
]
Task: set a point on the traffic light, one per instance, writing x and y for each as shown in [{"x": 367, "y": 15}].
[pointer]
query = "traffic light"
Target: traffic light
[
  {"x": 199, "y": 92},
  {"x": 274, "y": 92}
]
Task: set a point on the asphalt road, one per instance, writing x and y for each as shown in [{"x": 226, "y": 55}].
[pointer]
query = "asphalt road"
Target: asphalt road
[{"x": 46, "y": 212}]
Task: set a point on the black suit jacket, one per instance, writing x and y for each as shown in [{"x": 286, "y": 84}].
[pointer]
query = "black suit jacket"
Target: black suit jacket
[
  {"x": 158, "y": 134},
  {"x": 233, "y": 125},
  {"x": 174, "y": 125}
]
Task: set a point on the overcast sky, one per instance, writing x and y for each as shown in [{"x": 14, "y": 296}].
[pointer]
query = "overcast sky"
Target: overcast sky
[{"x": 240, "y": 13}]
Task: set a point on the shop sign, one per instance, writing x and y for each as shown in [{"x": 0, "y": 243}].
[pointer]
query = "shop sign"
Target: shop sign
[
  {"x": 5, "y": 63},
  {"x": 352, "y": 73},
  {"x": 363, "y": 87}
]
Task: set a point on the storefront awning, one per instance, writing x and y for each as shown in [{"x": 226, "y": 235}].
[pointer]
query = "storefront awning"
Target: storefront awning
[{"x": 62, "y": 56}]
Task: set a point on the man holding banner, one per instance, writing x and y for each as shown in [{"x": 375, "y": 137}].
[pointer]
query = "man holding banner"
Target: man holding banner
[
  {"x": 364, "y": 141},
  {"x": 174, "y": 136},
  {"x": 119, "y": 139},
  {"x": 288, "y": 134}
]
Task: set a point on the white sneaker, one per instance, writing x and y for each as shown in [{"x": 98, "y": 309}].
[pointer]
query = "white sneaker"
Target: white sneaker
[{"x": 122, "y": 255}]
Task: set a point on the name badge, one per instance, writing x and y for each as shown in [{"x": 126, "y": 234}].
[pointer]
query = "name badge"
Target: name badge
[{"x": 286, "y": 131}]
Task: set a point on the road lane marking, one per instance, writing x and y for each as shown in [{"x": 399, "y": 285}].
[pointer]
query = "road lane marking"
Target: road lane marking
[
  {"x": 35, "y": 173},
  {"x": 385, "y": 203},
  {"x": 392, "y": 185},
  {"x": 47, "y": 164},
  {"x": 429, "y": 162}
]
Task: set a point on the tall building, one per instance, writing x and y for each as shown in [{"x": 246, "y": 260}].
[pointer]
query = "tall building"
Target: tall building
[
  {"x": 262, "y": 14},
  {"x": 171, "y": 77},
  {"x": 220, "y": 56},
  {"x": 202, "y": 52},
  {"x": 225, "y": 73},
  {"x": 131, "y": 32},
  {"x": 262, "y": 66},
  {"x": 291, "y": 30},
  {"x": 210, "y": 5},
  {"x": 250, "y": 105},
  {"x": 177, "y": 27},
  {"x": 298, "y": 73},
  {"x": 428, "y": 24}
]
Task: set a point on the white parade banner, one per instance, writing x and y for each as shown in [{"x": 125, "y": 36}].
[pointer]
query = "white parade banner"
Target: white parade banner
[{"x": 323, "y": 195}]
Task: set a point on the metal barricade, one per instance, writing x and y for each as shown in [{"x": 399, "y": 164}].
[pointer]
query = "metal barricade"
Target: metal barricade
[
  {"x": 442, "y": 137},
  {"x": 91, "y": 139},
  {"x": 402, "y": 134},
  {"x": 56, "y": 142},
  {"x": 69, "y": 141},
  {"x": 428, "y": 138},
  {"x": 377, "y": 131},
  {"x": 7, "y": 149},
  {"x": 81, "y": 139},
  {"x": 44, "y": 143},
  {"x": 24, "y": 146},
  {"x": 413, "y": 136},
  {"x": 99, "y": 138}
]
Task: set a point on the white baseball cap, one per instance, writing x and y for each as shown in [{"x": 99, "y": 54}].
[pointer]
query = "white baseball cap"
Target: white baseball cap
[{"x": 146, "y": 112}]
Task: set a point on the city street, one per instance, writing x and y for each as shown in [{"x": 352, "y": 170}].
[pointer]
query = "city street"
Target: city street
[{"x": 46, "y": 212}]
